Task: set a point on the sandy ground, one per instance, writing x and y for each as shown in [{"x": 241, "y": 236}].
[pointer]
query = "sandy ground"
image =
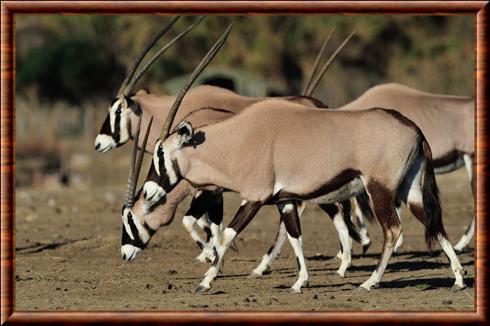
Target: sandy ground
[{"x": 68, "y": 257}]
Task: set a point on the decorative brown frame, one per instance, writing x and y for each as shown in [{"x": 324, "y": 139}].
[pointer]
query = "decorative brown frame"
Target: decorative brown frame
[{"x": 11, "y": 8}]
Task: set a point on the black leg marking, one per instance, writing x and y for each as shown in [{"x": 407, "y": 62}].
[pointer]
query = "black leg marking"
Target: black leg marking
[
  {"x": 244, "y": 215},
  {"x": 200, "y": 245},
  {"x": 208, "y": 233},
  {"x": 289, "y": 215},
  {"x": 215, "y": 207}
]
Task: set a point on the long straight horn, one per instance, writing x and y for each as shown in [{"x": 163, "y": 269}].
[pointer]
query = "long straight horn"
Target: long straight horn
[
  {"x": 139, "y": 161},
  {"x": 158, "y": 54},
  {"x": 129, "y": 194},
  {"x": 317, "y": 61},
  {"x": 204, "y": 62},
  {"x": 327, "y": 64},
  {"x": 142, "y": 55}
]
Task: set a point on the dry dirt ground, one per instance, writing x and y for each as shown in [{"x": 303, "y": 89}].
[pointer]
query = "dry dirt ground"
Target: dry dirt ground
[{"x": 68, "y": 257}]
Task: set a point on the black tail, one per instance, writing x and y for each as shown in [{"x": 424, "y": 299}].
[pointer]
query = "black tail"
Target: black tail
[
  {"x": 432, "y": 206},
  {"x": 363, "y": 201},
  {"x": 346, "y": 212}
]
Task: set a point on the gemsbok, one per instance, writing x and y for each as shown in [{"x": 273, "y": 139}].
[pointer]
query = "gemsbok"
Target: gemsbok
[
  {"x": 207, "y": 203},
  {"x": 448, "y": 123},
  {"x": 280, "y": 152}
]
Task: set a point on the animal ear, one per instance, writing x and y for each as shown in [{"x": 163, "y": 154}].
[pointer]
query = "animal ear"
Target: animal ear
[
  {"x": 132, "y": 105},
  {"x": 185, "y": 131}
]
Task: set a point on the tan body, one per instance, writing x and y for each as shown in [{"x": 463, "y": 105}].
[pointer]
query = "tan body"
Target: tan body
[
  {"x": 158, "y": 106},
  {"x": 278, "y": 138},
  {"x": 446, "y": 121},
  {"x": 198, "y": 97},
  {"x": 279, "y": 152},
  {"x": 448, "y": 124}
]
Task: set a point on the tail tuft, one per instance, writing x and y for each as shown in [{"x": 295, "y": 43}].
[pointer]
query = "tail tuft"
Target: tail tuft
[{"x": 432, "y": 206}]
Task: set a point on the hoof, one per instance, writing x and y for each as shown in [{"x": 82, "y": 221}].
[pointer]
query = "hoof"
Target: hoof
[
  {"x": 365, "y": 247},
  {"x": 298, "y": 291},
  {"x": 254, "y": 275},
  {"x": 456, "y": 288},
  {"x": 340, "y": 274},
  {"x": 201, "y": 289},
  {"x": 361, "y": 289},
  {"x": 234, "y": 247},
  {"x": 375, "y": 286}
]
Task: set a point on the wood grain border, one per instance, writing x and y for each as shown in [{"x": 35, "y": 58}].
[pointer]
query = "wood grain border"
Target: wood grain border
[{"x": 9, "y": 9}]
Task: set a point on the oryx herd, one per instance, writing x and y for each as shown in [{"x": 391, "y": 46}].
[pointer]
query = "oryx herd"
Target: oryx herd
[{"x": 361, "y": 160}]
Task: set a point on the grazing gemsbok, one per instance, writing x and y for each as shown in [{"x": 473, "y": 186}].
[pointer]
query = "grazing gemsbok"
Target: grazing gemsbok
[
  {"x": 279, "y": 152},
  {"x": 210, "y": 203},
  {"x": 127, "y": 109},
  {"x": 447, "y": 123}
]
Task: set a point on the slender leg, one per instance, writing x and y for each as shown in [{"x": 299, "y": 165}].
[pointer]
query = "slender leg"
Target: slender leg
[
  {"x": 335, "y": 213},
  {"x": 243, "y": 216},
  {"x": 205, "y": 224},
  {"x": 207, "y": 253},
  {"x": 276, "y": 247},
  {"x": 291, "y": 220},
  {"x": 215, "y": 214},
  {"x": 363, "y": 232},
  {"x": 467, "y": 237},
  {"x": 417, "y": 208},
  {"x": 200, "y": 206},
  {"x": 399, "y": 242},
  {"x": 382, "y": 200},
  {"x": 273, "y": 251},
  {"x": 362, "y": 210},
  {"x": 470, "y": 230}
]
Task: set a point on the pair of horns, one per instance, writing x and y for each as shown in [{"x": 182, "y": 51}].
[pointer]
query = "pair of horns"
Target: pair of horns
[
  {"x": 131, "y": 79},
  {"x": 137, "y": 159},
  {"x": 314, "y": 80},
  {"x": 204, "y": 62}
]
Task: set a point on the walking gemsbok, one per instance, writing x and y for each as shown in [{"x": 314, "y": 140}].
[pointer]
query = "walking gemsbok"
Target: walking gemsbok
[
  {"x": 448, "y": 123},
  {"x": 280, "y": 152}
]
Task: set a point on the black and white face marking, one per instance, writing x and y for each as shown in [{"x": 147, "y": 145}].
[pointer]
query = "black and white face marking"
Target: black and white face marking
[
  {"x": 164, "y": 173},
  {"x": 163, "y": 176},
  {"x": 115, "y": 129},
  {"x": 135, "y": 235}
]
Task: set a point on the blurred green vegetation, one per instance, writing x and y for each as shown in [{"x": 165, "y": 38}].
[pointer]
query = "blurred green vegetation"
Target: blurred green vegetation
[{"x": 84, "y": 58}]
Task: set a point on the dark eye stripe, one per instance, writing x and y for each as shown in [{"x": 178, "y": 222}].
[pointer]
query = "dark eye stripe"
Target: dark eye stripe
[
  {"x": 106, "y": 127},
  {"x": 117, "y": 128}
]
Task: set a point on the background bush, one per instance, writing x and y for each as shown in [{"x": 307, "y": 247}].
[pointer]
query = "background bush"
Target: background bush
[{"x": 80, "y": 58}]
